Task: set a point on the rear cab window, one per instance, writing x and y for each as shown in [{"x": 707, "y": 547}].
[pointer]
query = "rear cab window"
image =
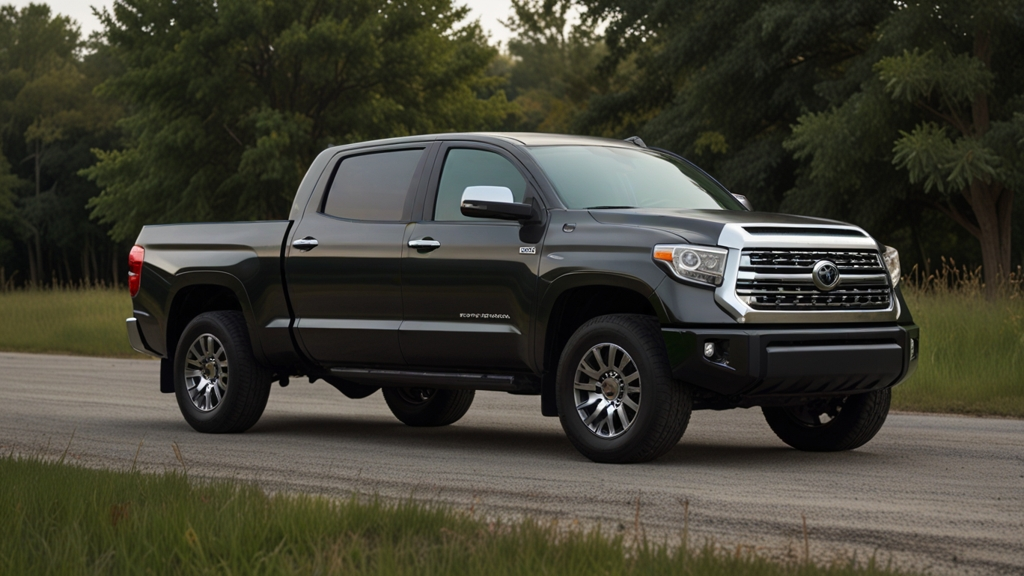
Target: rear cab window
[{"x": 377, "y": 186}]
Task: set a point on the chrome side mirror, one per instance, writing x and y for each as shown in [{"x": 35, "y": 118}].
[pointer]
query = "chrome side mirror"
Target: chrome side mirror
[{"x": 493, "y": 202}]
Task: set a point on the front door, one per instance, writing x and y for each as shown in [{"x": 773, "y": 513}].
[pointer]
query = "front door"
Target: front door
[
  {"x": 469, "y": 284},
  {"x": 346, "y": 289}
]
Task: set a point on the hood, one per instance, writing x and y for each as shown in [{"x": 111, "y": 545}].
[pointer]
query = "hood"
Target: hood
[{"x": 699, "y": 226}]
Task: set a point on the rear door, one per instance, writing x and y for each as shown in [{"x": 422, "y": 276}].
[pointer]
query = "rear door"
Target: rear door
[
  {"x": 469, "y": 301},
  {"x": 344, "y": 258}
]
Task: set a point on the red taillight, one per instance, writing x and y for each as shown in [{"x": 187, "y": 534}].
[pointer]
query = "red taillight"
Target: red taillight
[{"x": 135, "y": 258}]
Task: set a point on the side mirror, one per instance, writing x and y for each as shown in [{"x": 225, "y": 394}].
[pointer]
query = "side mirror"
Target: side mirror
[
  {"x": 743, "y": 200},
  {"x": 493, "y": 202}
]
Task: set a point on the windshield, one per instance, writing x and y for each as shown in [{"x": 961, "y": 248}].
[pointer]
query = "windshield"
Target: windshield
[{"x": 595, "y": 177}]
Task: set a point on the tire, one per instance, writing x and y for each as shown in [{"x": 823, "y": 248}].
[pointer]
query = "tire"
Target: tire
[
  {"x": 627, "y": 407},
  {"x": 428, "y": 406},
  {"x": 851, "y": 422},
  {"x": 218, "y": 383}
]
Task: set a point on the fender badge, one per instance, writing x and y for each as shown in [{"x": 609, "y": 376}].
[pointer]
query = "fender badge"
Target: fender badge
[{"x": 527, "y": 249}]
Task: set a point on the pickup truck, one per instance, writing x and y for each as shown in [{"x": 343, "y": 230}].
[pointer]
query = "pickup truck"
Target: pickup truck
[{"x": 619, "y": 283}]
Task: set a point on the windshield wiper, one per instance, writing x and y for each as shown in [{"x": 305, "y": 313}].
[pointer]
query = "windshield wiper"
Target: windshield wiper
[{"x": 608, "y": 207}]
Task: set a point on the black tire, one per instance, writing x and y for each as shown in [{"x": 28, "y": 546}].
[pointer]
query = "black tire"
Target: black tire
[
  {"x": 663, "y": 404},
  {"x": 853, "y": 421},
  {"x": 243, "y": 387},
  {"x": 428, "y": 406}
]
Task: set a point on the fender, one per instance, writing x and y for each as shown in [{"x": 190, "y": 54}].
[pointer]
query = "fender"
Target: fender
[
  {"x": 580, "y": 279},
  {"x": 224, "y": 280}
]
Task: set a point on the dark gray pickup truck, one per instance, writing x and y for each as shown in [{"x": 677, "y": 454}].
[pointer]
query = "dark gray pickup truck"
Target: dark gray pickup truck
[{"x": 621, "y": 284}]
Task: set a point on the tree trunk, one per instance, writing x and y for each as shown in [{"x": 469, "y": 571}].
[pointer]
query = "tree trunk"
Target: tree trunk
[
  {"x": 988, "y": 201},
  {"x": 95, "y": 266},
  {"x": 33, "y": 272}
]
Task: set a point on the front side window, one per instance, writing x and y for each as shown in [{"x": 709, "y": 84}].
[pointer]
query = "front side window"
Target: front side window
[
  {"x": 373, "y": 186},
  {"x": 465, "y": 167},
  {"x": 594, "y": 177}
]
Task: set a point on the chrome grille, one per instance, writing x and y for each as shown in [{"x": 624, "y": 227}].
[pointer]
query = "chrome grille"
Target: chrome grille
[{"x": 781, "y": 280}]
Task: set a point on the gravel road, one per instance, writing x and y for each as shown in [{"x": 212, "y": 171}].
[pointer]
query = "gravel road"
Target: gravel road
[{"x": 937, "y": 493}]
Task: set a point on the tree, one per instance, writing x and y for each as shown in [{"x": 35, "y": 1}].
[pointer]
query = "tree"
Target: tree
[
  {"x": 552, "y": 73},
  {"x": 722, "y": 81},
  {"x": 943, "y": 105},
  {"x": 231, "y": 99},
  {"x": 48, "y": 117}
]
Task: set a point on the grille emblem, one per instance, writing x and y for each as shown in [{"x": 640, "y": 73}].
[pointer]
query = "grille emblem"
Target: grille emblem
[{"x": 825, "y": 275}]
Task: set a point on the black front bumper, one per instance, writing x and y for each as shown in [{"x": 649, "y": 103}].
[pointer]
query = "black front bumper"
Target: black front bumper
[{"x": 777, "y": 365}]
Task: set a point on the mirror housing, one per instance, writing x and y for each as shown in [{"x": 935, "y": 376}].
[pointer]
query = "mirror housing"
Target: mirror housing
[
  {"x": 743, "y": 200},
  {"x": 493, "y": 202}
]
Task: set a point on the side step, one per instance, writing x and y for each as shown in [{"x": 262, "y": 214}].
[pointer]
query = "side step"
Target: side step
[{"x": 401, "y": 379}]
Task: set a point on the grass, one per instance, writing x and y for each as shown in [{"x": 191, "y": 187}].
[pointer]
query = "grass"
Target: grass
[
  {"x": 972, "y": 348},
  {"x": 60, "y": 519},
  {"x": 88, "y": 322}
]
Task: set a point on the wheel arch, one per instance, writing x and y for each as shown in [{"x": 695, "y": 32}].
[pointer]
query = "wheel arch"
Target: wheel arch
[
  {"x": 576, "y": 298},
  {"x": 199, "y": 292}
]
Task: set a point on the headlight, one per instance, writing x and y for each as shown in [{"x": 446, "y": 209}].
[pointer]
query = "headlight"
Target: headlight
[
  {"x": 697, "y": 263},
  {"x": 892, "y": 263}
]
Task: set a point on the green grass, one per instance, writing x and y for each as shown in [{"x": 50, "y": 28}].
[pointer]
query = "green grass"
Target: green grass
[
  {"x": 972, "y": 349},
  {"x": 86, "y": 322},
  {"x": 59, "y": 519},
  {"x": 972, "y": 355}
]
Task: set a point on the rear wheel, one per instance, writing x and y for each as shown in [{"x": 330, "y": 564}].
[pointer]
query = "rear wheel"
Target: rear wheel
[
  {"x": 831, "y": 425},
  {"x": 617, "y": 400},
  {"x": 428, "y": 406},
  {"x": 218, "y": 383}
]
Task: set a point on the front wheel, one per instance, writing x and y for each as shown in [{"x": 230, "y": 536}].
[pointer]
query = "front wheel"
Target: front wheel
[
  {"x": 617, "y": 400},
  {"x": 831, "y": 425},
  {"x": 428, "y": 406},
  {"x": 219, "y": 385}
]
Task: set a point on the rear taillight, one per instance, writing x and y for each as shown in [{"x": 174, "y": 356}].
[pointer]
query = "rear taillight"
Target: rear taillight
[{"x": 135, "y": 258}]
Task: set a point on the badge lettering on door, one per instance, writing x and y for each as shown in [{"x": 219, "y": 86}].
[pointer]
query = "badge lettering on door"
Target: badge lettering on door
[{"x": 527, "y": 249}]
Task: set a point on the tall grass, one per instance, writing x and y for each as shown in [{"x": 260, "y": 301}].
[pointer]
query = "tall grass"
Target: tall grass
[
  {"x": 88, "y": 321},
  {"x": 972, "y": 347},
  {"x": 58, "y": 519}
]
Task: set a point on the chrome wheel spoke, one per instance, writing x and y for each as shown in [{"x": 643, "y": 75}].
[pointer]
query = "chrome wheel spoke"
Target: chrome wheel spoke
[
  {"x": 607, "y": 399},
  {"x": 206, "y": 372}
]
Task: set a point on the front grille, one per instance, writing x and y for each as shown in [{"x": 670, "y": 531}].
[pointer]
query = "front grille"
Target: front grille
[{"x": 781, "y": 280}]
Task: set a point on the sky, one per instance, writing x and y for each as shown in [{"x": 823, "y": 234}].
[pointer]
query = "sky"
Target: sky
[{"x": 488, "y": 11}]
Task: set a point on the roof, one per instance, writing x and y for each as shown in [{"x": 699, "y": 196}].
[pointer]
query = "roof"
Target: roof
[{"x": 518, "y": 138}]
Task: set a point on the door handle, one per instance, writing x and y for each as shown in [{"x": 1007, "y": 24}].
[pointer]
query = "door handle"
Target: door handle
[
  {"x": 305, "y": 244},
  {"x": 424, "y": 244}
]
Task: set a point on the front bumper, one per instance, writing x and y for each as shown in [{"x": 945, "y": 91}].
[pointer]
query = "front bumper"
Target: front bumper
[
  {"x": 772, "y": 364},
  {"x": 136, "y": 340}
]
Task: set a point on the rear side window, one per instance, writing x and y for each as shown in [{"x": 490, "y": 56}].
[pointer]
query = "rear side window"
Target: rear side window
[
  {"x": 464, "y": 168},
  {"x": 373, "y": 186}
]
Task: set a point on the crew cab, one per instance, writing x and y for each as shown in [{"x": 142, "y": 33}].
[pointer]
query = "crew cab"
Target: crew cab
[{"x": 619, "y": 283}]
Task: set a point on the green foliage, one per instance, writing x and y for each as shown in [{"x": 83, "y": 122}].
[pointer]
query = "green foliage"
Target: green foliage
[
  {"x": 723, "y": 81},
  {"x": 49, "y": 118},
  {"x": 61, "y": 519},
  {"x": 951, "y": 89},
  {"x": 233, "y": 99},
  {"x": 552, "y": 71}
]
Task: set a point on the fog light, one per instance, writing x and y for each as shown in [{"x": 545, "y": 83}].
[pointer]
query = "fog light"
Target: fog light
[
  {"x": 913, "y": 348},
  {"x": 709, "y": 349}
]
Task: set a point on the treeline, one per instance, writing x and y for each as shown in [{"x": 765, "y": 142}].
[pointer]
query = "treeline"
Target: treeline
[{"x": 905, "y": 118}]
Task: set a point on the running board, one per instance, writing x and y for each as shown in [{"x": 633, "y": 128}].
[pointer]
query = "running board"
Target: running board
[{"x": 403, "y": 379}]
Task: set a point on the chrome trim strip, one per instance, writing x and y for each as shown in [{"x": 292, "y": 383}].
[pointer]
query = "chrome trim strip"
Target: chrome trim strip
[
  {"x": 736, "y": 239},
  {"x": 417, "y": 326},
  {"x": 135, "y": 338},
  {"x": 346, "y": 324}
]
